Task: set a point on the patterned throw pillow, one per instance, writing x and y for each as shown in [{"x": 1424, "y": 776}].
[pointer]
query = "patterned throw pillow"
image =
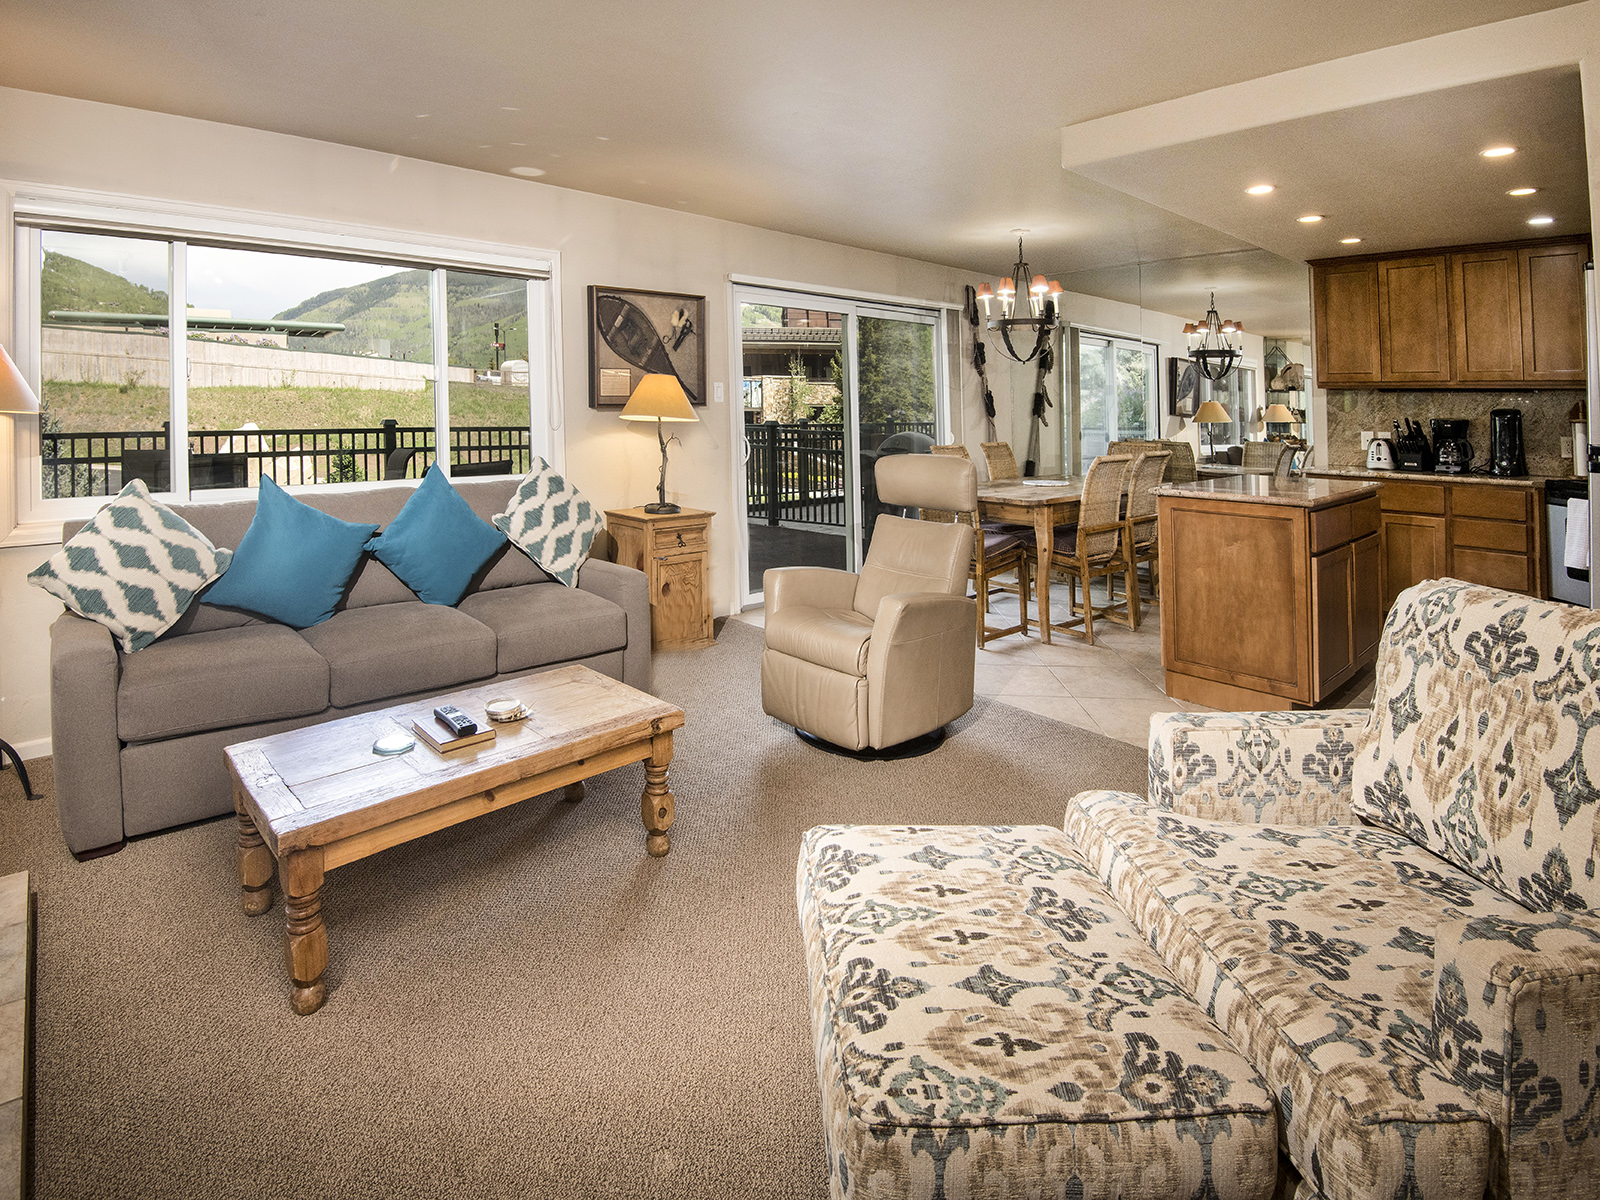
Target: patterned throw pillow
[
  {"x": 134, "y": 568},
  {"x": 551, "y": 522}
]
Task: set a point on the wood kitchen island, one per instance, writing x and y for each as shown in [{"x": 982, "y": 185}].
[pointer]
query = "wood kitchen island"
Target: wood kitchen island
[{"x": 1269, "y": 589}]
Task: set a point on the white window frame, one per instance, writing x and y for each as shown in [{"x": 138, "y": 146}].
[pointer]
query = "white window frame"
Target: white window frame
[
  {"x": 27, "y": 519},
  {"x": 1072, "y": 426},
  {"x": 744, "y": 290}
]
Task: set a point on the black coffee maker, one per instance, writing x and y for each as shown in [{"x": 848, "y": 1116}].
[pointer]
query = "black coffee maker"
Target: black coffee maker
[{"x": 1505, "y": 442}]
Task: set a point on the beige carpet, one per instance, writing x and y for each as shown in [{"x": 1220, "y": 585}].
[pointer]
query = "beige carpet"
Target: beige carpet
[{"x": 526, "y": 1005}]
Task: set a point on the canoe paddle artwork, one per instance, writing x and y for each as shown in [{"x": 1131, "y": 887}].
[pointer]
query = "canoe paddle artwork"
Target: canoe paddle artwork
[{"x": 628, "y": 330}]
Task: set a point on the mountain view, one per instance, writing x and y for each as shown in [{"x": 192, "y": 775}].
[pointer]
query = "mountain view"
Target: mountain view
[{"x": 393, "y": 309}]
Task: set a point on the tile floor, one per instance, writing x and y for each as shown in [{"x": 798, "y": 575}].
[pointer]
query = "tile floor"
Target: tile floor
[{"x": 1111, "y": 687}]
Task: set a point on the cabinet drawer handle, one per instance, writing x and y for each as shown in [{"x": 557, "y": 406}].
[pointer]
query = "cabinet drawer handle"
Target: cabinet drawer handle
[{"x": 680, "y": 537}]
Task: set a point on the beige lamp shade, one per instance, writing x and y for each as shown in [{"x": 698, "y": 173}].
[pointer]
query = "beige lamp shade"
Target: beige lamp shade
[
  {"x": 658, "y": 398},
  {"x": 1212, "y": 413},
  {"x": 15, "y": 394},
  {"x": 1279, "y": 414}
]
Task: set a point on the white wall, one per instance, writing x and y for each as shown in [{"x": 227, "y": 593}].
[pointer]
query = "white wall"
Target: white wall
[
  {"x": 72, "y": 143},
  {"x": 80, "y": 144}
]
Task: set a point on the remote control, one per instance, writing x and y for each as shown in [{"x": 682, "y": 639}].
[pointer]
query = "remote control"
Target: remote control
[{"x": 456, "y": 721}]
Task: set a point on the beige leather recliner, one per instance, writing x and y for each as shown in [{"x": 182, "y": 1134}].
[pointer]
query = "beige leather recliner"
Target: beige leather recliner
[{"x": 871, "y": 661}]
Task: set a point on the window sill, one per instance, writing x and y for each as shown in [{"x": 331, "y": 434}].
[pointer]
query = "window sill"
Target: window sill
[{"x": 33, "y": 533}]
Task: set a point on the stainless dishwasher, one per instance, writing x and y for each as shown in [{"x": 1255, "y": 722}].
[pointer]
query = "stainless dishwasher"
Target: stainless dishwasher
[{"x": 1566, "y": 583}]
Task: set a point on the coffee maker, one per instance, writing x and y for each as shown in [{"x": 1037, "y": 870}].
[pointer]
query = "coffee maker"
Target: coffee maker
[
  {"x": 1452, "y": 453},
  {"x": 1505, "y": 442}
]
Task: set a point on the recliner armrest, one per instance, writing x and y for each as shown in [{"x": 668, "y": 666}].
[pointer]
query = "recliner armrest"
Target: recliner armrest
[
  {"x": 84, "y": 672},
  {"x": 1516, "y": 1022},
  {"x": 920, "y": 664},
  {"x": 1263, "y": 768},
  {"x": 811, "y": 587}
]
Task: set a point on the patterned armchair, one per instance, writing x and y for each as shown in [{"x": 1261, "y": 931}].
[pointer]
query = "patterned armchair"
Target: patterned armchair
[{"x": 1425, "y": 874}]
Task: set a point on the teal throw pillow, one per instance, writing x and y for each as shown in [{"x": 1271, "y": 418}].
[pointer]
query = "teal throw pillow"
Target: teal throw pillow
[
  {"x": 551, "y": 522},
  {"x": 436, "y": 543},
  {"x": 293, "y": 563},
  {"x": 134, "y": 567}
]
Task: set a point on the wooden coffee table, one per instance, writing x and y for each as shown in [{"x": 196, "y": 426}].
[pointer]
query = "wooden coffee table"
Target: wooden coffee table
[{"x": 317, "y": 798}]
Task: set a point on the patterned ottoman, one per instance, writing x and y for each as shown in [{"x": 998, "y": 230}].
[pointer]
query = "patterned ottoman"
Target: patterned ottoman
[{"x": 989, "y": 1024}]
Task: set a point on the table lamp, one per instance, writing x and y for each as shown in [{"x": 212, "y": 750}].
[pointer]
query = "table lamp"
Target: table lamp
[
  {"x": 1211, "y": 413},
  {"x": 1278, "y": 414},
  {"x": 15, "y": 394},
  {"x": 659, "y": 398}
]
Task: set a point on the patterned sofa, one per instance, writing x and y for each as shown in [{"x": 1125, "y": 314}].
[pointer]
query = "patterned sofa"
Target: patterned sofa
[{"x": 1388, "y": 916}]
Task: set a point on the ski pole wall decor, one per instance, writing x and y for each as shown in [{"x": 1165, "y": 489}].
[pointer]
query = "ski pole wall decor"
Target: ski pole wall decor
[
  {"x": 1041, "y": 402},
  {"x": 980, "y": 357}
]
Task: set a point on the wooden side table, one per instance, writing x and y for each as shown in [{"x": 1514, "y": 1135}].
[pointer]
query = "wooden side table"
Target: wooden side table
[{"x": 671, "y": 549}]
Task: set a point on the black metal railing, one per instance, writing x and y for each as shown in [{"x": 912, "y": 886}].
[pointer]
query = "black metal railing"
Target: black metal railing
[
  {"x": 88, "y": 464},
  {"x": 795, "y": 474}
]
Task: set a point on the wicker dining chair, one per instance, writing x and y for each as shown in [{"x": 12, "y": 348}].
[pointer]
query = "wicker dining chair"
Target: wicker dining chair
[
  {"x": 995, "y": 551},
  {"x": 1094, "y": 546},
  {"x": 1002, "y": 462},
  {"x": 1140, "y": 530},
  {"x": 1263, "y": 454}
]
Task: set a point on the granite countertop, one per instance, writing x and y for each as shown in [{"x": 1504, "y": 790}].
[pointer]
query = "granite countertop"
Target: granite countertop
[
  {"x": 1299, "y": 492},
  {"x": 1433, "y": 476}
]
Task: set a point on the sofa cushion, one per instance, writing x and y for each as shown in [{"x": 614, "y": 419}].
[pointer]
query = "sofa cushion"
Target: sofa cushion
[
  {"x": 294, "y": 562},
  {"x": 836, "y": 638},
  {"x": 1313, "y": 948},
  {"x": 544, "y": 623},
  {"x": 217, "y": 680},
  {"x": 551, "y": 521},
  {"x": 134, "y": 567},
  {"x": 395, "y": 649},
  {"x": 436, "y": 543},
  {"x": 989, "y": 1024},
  {"x": 1478, "y": 748}
]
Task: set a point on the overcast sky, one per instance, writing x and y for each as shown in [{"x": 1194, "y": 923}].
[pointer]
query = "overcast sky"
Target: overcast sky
[{"x": 246, "y": 283}]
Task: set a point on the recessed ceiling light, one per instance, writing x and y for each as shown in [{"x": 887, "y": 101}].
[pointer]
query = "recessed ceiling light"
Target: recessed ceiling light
[
  {"x": 1309, "y": 218},
  {"x": 1522, "y": 191},
  {"x": 528, "y": 172},
  {"x": 1260, "y": 189},
  {"x": 1499, "y": 151},
  {"x": 1541, "y": 220},
  {"x": 509, "y": 108},
  {"x": 601, "y": 139},
  {"x": 1349, "y": 241}
]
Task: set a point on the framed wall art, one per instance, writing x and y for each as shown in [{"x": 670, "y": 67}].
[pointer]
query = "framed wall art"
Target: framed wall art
[
  {"x": 1183, "y": 387},
  {"x": 634, "y": 333}
]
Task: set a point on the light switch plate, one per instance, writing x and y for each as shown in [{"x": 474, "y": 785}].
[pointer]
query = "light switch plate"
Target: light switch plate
[
  {"x": 716, "y": 392},
  {"x": 1366, "y": 438}
]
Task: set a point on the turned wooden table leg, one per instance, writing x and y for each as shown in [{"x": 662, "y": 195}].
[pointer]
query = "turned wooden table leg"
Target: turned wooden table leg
[
  {"x": 306, "y": 941},
  {"x": 255, "y": 862},
  {"x": 656, "y": 804},
  {"x": 574, "y": 792}
]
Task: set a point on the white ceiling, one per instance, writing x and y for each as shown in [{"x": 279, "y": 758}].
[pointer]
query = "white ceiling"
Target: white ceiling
[{"x": 928, "y": 130}]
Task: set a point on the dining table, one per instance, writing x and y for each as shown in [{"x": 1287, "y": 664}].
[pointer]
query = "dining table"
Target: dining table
[{"x": 1045, "y": 504}]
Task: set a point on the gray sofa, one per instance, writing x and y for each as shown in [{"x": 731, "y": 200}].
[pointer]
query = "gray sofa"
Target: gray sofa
[{"x": 138, "y": 737}]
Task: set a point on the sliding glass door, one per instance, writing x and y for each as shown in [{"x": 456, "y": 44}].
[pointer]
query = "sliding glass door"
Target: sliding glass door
[
  {"x": 1116, "y": 393},
  {"x": 829, "y": 386}
]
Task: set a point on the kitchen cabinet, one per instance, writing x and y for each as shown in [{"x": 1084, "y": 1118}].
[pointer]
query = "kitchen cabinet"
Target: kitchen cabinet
[
  {"x": 672, "y": 550},
  {"x": 1346, "y": 307},
  {"x": 1459, "y": 317},
  {"x": 1552, "y": 311},
  {"x": 1486, "y": 295},
  {"x": 1483, "y": 533},
  {"x": 1414, "y": 319},
  {"x": 1313, "y": 615}
]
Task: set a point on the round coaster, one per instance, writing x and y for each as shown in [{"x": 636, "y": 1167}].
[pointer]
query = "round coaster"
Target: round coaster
[
  {"x": 505, "y": 710},
  {"x": 394, "y": 743}
]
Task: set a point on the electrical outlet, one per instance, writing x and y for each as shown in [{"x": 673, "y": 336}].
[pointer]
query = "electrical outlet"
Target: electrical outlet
[
  {"x": 1366, "y": 438},
  {"x": 1566, "y": 447}
]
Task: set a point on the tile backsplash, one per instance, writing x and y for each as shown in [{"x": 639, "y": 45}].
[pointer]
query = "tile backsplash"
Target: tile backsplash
[{"x": 1545, "y": 421}]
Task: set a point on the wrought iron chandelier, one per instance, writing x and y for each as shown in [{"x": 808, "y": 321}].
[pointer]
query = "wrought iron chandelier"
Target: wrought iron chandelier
[
  {"x": 1042, "y": 296},
  {"x": 1212, "y": 345}
]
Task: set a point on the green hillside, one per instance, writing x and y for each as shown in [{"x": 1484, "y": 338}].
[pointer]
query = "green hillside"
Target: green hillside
[
  {"x": 71, "y": 285},
  {"x": 394, "y": 307}
]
